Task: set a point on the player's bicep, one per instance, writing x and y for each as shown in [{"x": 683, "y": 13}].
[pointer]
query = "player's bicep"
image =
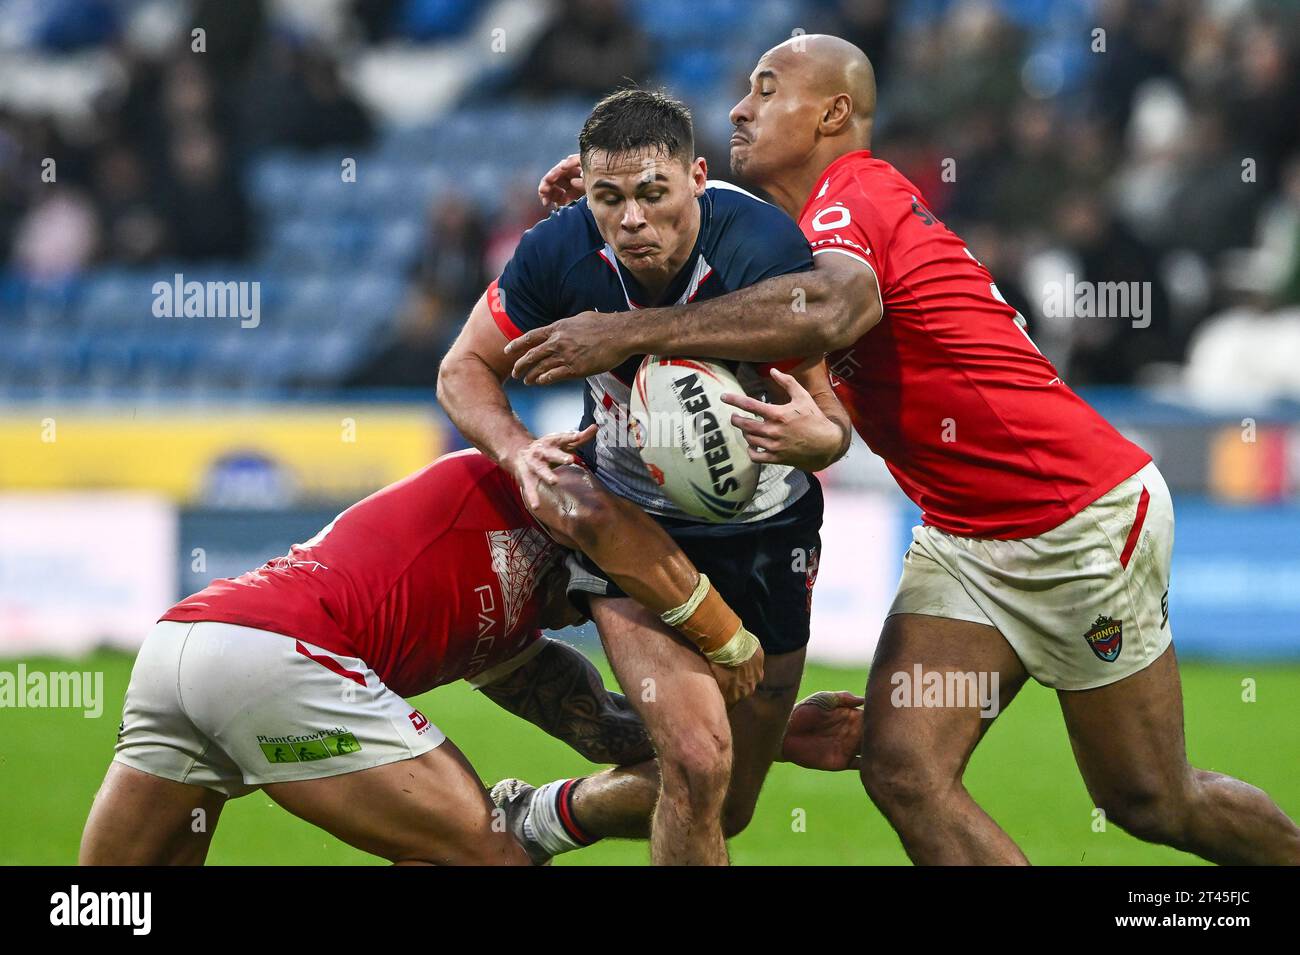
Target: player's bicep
[
  {"x": 853, "y": 276},
  {"x": 846, "y": 259},
  {"x": 482, "y": 339}
]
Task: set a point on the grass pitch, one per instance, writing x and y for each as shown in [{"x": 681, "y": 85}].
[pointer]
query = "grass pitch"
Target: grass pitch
[{"x": 51, "y": 762}]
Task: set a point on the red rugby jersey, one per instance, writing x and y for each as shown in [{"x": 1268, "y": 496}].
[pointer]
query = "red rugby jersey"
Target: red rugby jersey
[
  {"x": 428, "y": 580},
  {"x": 973, "y": 421}
]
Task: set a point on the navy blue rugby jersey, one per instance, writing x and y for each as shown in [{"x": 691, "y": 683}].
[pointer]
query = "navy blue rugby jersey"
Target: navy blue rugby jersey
[{"x": 562, "y": 266}]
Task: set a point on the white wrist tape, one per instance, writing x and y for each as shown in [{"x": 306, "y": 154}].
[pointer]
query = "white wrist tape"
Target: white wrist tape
[
  {"x": 736, "y": 650},
  {"x": 679, "y": 615}
]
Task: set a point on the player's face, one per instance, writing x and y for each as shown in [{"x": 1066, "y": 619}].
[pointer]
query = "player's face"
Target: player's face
[
  {"x": 775, "y": 123},
  {"x": 645, "y": 206}
]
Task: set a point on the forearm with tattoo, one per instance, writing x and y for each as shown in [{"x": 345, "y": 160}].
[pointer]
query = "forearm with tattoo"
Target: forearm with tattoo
[{"x": 562, "y": 693}]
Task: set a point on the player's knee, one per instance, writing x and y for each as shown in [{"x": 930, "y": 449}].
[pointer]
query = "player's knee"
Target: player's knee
[
  {"x": 897, "y": 779},
  {"x": 1147, "y": 809},
  {"x": 696, "y": 768}
]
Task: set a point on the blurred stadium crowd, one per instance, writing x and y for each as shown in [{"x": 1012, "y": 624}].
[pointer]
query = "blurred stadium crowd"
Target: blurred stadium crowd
[{"x": 1109, "y": 140}]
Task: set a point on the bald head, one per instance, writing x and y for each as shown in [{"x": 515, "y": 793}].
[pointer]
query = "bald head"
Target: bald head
[
  {"x": 825, "y": 66},
  {"x": 810, "y": 100}
]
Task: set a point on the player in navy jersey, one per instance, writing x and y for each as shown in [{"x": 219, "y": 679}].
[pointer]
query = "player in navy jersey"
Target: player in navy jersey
[{"x": 653, "y": 231}]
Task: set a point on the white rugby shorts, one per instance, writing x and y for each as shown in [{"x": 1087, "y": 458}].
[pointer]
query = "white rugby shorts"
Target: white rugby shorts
[
  {"x": 1083, "y": 605},
  {"x": 233, "y": 708}
]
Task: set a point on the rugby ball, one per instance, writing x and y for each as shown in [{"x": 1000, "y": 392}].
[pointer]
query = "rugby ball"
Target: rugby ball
[{"x": 687, "y": 441}]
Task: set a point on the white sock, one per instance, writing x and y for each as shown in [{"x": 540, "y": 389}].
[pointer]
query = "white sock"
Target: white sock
[{"x": 545, "y": 823}]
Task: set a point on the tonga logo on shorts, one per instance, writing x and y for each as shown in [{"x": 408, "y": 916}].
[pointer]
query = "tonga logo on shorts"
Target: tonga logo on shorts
[{"x": 1106, "y": 638}]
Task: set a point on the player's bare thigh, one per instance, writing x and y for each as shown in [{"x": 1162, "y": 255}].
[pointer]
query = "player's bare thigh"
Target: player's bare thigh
[
  {"x": 666, "y": 679},
  {"x": 431, "y": 809},
  {"x": 141, "y": 819},
  {"x": 758, "y": 725},
  {"x": 931, "y": 744},
  {"x": 1127, "y": 736}
]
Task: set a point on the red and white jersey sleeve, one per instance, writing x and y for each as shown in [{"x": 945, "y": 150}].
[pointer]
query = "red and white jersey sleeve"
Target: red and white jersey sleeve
[
  {"x": 845, "y": 223},
  {"x": 973, "y": 421}
]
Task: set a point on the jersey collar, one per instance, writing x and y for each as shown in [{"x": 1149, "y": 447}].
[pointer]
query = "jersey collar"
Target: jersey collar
[{"x": 819, "y": 187}]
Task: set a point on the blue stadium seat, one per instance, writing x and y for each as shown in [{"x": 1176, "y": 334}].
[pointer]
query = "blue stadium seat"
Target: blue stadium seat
[
  {"x": 13, "y": 293},
  {"x": 370, "y": 300},
  {"x": 693, "y": 69},
  {"x": 425, "y": 20},
  {"x": 169, "y": 360},
  {"x": 396, "y": 247},
  {"x": 676, "y": 21},
  {"x": 311, "y": 301},
  {"x": 117, "y": 297},
  {"x": 275, "y": 182}
]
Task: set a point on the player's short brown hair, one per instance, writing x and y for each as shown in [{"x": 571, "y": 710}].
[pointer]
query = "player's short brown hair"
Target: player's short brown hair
[{"x": 635, "y": 119}]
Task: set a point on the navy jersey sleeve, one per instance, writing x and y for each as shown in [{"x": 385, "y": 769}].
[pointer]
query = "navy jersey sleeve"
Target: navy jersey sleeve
[
  {"x": 524, "y": 295},
  {"x": 755, "y": 240},
  {"x": 527, "y": 294}
]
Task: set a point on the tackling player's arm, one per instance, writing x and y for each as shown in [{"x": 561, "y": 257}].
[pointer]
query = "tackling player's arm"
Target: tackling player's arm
[
  {"x": 797, "y": 314},
  {"x": 639, "y": 556}
]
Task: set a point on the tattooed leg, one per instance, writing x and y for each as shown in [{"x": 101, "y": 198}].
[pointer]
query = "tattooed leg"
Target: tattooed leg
[{"x": 560, "y": 691}]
